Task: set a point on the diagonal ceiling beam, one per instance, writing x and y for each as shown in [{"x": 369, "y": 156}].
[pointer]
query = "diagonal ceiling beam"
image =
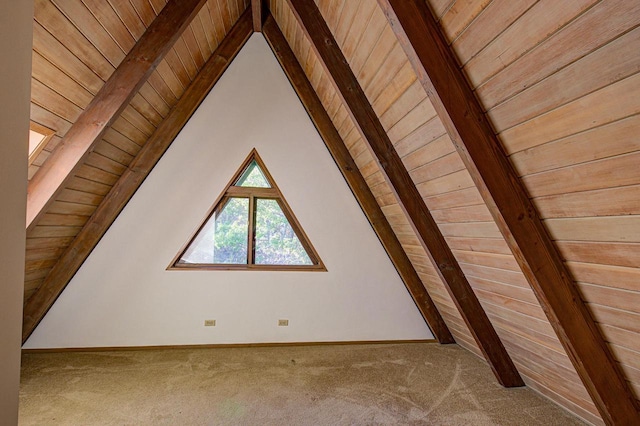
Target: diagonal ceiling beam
[
  {"x": 511, "y": 208},
  {"x": 356, "y": 182},
  {"x": 106, "y": 213},
  {"x": 107, "y": 105},
  {"x": 364, "y": 116}
]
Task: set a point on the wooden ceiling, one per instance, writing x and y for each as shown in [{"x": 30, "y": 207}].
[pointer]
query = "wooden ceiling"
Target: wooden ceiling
[
  {"x": 77, "y": 47},
  {"x": 493, "y": 145}
]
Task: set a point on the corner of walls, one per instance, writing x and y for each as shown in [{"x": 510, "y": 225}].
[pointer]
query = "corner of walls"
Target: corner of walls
[{"x": 15, "y": 69}]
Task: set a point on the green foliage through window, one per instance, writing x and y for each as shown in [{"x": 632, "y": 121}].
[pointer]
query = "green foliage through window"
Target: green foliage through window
[
  {"x": 276, "y": 241},
  {"x": 251, "y": 227},
  {"x": 253, "y": 177}
]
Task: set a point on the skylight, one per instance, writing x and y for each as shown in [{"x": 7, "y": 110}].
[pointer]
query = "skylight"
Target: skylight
[
  {"x": 38, "y": 138},
  {"x": 35, "y": 139}
]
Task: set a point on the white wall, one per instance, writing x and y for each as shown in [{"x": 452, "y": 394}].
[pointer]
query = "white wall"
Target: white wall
[
  {"x": 15, "y": 79},
  {"x": 123, "y": 294}
]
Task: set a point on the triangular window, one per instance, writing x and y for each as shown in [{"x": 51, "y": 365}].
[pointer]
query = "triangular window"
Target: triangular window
[
  {"x": 250, "y": 227},
  {"x": 253, "y": 177}
]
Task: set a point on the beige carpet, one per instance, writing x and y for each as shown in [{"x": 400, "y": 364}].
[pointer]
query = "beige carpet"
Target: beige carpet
[{"x": 416, "y": 383}]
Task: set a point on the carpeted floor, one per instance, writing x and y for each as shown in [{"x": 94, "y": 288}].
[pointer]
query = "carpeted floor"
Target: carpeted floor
[{"x": 414, "y": 383}]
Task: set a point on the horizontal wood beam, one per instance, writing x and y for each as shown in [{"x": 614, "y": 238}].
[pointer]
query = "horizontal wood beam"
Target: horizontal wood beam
[
  {"x": 356, "y": 182},
  {"x": 106, "y": 106},
  {"x": 510, "y": 206},
  {"x": 106, "y": 213},
  {"x": 406, "y": 192}
]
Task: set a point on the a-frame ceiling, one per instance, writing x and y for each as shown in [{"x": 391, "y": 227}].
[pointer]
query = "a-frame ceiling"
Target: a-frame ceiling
[{"x": 492, "y": 145}]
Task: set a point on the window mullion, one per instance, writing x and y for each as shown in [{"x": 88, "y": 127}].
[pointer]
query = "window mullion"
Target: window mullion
[
  {"x": 286, "y": 247},
  {"x": 252, "y": 231}
]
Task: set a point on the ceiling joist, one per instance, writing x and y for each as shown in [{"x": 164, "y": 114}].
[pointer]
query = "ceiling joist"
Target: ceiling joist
[
  {"x": 356, "y": 182},
  {"x": 511, "y": 208},
  {"x": 107, "y": 105},
  {"x": 109, "y": 209},
  {"x": 330, "y": 55}
]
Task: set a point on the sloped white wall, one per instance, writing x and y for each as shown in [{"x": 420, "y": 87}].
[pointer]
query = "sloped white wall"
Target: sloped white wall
[{"x": 123, "y": 295}]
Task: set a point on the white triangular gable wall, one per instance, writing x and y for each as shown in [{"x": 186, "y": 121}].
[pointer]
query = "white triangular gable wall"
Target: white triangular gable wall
[{"x": 124, "y": 296}]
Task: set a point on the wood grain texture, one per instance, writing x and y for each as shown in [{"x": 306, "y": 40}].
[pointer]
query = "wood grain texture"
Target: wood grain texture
[
  {"x": 511, "y": 208},
  {"x": 615, "y": 102},
  {"x": 546, "y": 16},
  {"x": 497, "y": 16},
  {"x": 581, "y": 147},
  {"x": 257, "y": 13},
  {"x": 107, "y": 211},
  {"x": 64, "y": 74},
  {"x": 107, "y": 105},
  {"x": 363, "y": 114},
  {"x": 569, "y": 44}
]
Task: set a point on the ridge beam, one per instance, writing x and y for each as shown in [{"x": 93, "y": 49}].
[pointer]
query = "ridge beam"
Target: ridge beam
[{"x": 257, "y": 13}]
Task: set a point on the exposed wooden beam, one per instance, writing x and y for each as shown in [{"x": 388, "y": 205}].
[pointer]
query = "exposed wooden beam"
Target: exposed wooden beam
[
  {"x": 69, "y": 263},
  {"x": 107, "y": 105},
  {"x": 257, "y": 11},
  {"x": 511, "y": 208},
  {"x": 397, "y": 175},
  {"x": 356, "y": 182}
]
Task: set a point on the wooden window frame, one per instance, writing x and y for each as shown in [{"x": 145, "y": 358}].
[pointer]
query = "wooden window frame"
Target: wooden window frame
[
  {"x": 47, "y": 134},
  {"x": 253, "y": 194}
]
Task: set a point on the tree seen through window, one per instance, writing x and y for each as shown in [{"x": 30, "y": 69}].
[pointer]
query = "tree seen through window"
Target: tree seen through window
[{"x": 251, "y": 227}]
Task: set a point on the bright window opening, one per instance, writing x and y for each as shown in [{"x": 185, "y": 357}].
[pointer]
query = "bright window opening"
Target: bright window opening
[
  {"x": 253, "y": 177},
  {"x": 224, "y": 239},
  {"x": 38, "y": 138},
  {"x": 276, "y": 241},
  {"x": 35, "y": 139},
  {"x": 250, "y": 227}
]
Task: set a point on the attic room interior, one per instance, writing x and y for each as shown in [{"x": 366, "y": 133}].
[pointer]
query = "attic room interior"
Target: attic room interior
[{"x": 446, "y": 190}]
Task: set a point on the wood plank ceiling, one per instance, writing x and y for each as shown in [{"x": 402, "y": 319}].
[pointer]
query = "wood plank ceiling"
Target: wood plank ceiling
[
  {"x": 559, "y": 84},
  {"x": 77, "y": 45}
]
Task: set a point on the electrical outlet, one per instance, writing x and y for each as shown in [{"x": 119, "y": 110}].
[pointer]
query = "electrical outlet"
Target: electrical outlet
[
  {"x": 209, "y": 323},
  {"x": 283, "y": 323}
]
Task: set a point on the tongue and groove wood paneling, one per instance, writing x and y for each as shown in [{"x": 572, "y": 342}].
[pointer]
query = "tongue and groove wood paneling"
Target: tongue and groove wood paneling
[
  {"x": 438, "y": 172},
  {"x": 77, "y": 46},
  {"x": 563, "y": 99},
  {"x": 421, "y": 140},
  {"x": 490, "y": 267}
]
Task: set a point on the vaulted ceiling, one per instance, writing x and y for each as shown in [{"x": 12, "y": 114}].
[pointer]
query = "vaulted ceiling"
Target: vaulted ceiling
[{"x": 493, "y": 145}]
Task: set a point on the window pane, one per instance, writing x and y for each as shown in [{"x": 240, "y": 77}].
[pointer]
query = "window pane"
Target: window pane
[
  {"x": 276, "y": 242},
  {"x": 224, "y": 239},
  {"x": 253, "y": 177},
  {"x": 35, "y": 139}
]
